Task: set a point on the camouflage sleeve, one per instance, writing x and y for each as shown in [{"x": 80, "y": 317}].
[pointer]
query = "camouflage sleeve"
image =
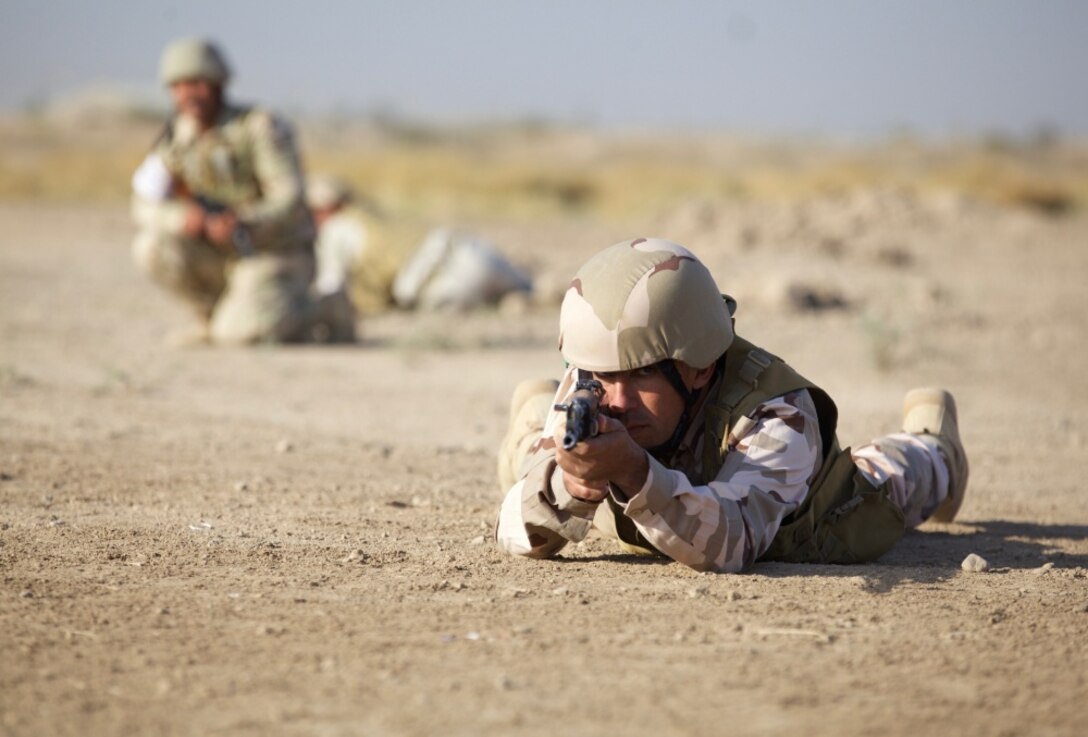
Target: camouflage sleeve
[
  {"x": 538, "y": 515},
  {"x": 278, "y": 170},
  {"x": 725, "y": 525}
]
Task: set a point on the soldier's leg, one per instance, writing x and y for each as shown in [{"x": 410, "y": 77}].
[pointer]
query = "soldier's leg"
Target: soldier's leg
[
  {"x": 192, "y": 269},
  {"x": 529, "y": 408},
  {"x": 918, "y": 476},
  {"x": 926, "y": 464},
  {"x": 267, "y": 300}
]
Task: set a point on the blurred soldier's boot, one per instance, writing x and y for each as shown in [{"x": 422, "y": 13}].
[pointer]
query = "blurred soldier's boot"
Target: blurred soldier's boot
[
  {"x": 529, "y": 408},
  {"x": 335, "y": 318},
  {"x": 931, "y": 413}
]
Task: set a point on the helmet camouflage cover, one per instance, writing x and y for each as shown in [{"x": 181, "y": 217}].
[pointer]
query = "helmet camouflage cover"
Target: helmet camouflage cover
[
  {"x": 193, "y": 58},
  {"x": 640, "y": 302}
]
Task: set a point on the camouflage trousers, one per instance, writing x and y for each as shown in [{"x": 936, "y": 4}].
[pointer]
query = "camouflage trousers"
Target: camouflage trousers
[
  {"x": 260, "y": 298},
  {"x": 917, "y": 473}
]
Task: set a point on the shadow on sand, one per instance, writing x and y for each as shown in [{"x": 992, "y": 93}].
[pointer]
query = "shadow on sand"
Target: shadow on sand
[{"x": 929, "y": 556}]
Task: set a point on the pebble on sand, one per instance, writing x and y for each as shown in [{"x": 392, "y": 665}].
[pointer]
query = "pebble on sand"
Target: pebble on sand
[{"x": 975, "y": 564}]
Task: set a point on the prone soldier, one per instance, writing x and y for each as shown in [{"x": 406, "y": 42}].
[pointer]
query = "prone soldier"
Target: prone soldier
[
  {"x": 709, "y": 450},
  {"x": 389, "y": 263}
]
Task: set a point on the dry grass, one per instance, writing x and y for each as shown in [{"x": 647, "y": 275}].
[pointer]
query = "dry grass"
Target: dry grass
[{"x": 532, "y": 171}]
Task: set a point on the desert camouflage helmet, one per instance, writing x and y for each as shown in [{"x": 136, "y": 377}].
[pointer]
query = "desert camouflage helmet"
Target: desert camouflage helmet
[
  {"x": 324, "y": 190},
  {"x": 193, "y": 58},
  {"x": 640, "y": 302}
]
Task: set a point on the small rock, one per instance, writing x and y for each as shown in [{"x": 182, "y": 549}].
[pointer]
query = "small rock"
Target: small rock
[
  {"x": 478, "y": 540},
  {"x": 27, "y": 594},
  {"x": 354, "y": 555},
  {"x": 1043, "y": 569},
  {"x": 241, "y": 486},
  {"x": 696, "y": 591},
  {"x": 561, "y": 591},
  {"x": 807, "y": 298},
  {"x": 975, "y": 564},
  {"x": 734, "y": 596},
  {"x": 284, "y": 446}
]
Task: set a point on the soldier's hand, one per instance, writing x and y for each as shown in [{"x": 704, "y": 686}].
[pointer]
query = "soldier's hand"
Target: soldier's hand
[
  {"x": 220, "y": 228},
  {"x": 581, "y": 489},
  {"x": 609, "y": 457},
  {"x": 193, "y": 227}
]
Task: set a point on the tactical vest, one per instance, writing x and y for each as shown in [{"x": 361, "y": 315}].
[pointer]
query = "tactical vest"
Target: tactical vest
[
  {"x": 247, "y": 154},
  {"x": 843, "y": 518}
]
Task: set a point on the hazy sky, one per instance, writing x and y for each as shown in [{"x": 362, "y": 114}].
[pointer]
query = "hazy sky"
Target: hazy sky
[{"x": 852, "y": 67}]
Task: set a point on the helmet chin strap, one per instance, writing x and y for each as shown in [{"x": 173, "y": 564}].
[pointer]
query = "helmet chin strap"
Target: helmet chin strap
[{"x": 672, "y": 375}]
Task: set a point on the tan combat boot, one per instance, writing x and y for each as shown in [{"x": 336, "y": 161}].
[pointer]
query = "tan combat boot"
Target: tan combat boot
[
  {"x": 932, "y": 412},
  {"x": 529, "y": 408},
  {"x": 334, "y": 320}
]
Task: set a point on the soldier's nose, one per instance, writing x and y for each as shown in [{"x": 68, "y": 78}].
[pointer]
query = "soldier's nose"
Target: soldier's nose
[{"x": 620, "y": 397}]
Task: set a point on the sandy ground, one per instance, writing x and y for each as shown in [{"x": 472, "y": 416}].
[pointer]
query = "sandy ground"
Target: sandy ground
[{"x": 297, "y": 540}]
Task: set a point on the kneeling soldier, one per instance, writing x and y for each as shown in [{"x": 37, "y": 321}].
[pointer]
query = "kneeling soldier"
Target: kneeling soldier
[{"x": 223, "y": 224}]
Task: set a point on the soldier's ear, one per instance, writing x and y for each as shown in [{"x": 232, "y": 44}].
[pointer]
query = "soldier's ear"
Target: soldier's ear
[
  {"x": 702, "y": 377},
  {"x": 698, "y": 378}
]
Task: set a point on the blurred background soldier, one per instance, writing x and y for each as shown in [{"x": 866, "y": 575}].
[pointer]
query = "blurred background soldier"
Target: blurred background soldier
[
  {"x": 356, "y": 249},
  {"x": 389, "y": 263},
  {"x": 223, "y": 224}
]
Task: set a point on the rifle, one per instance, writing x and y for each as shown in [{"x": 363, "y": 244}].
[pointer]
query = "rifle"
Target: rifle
[
  {"x": 581, "y": 412},
  {"x": 243, "y": 246}
]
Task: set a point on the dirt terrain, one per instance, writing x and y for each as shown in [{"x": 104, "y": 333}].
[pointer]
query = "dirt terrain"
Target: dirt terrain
[{"x": 297, "y": 540}]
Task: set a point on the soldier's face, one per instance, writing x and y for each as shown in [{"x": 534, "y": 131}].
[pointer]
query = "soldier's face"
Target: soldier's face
[
  {"x": 646, "y": 403},
  {"x": 197, "y": 98}
]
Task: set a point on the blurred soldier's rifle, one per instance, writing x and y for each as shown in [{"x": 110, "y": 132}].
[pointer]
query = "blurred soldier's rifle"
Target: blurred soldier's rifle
[
  {"x": 581, "y": 412},
  {"x": 243, "y": 246}
]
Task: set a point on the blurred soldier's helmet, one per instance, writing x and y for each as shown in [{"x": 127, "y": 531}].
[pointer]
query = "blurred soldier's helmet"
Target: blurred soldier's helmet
[
  {"x": 324, "y": 191},
  {"x": 193, "y": 58},
  {"x": 641, "y": 302}
]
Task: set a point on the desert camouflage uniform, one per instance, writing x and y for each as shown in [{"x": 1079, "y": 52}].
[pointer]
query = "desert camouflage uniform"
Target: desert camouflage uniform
[
  {"x": 375, "y": 249},
  {"x": 773, "y": 453},
  {"x": 728, "y": 523},
  {"x": 247, "y": 162},
  {"x": 403, "y": 264}
]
